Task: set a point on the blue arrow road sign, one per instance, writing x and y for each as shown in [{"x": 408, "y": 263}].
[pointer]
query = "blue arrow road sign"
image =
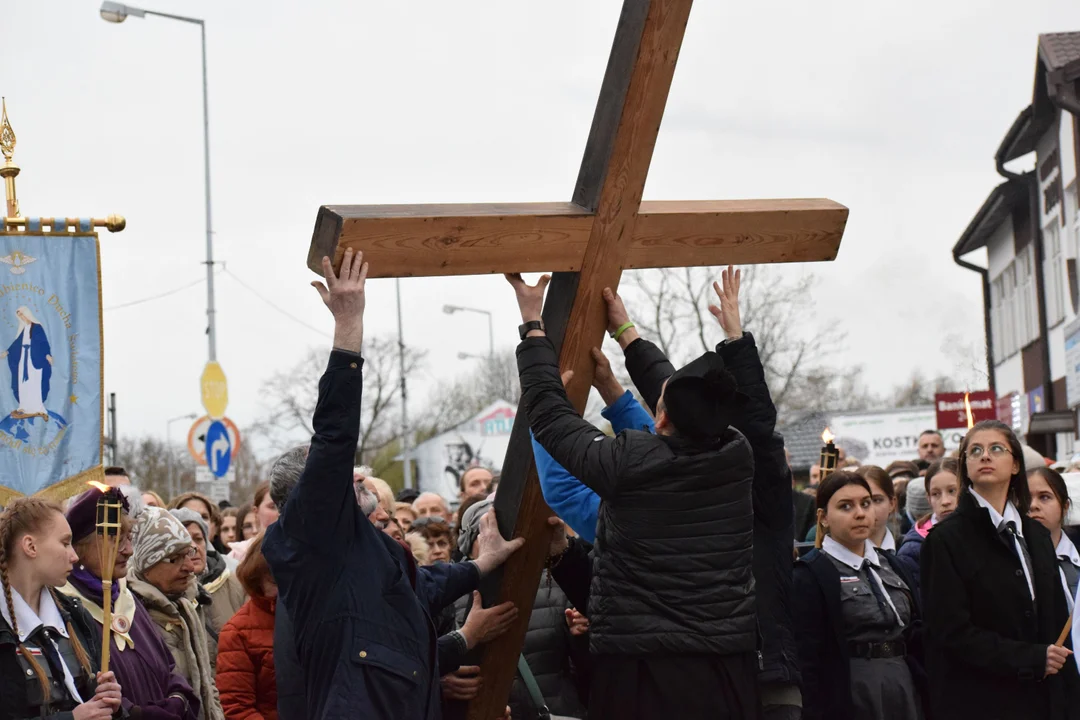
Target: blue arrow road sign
[{"x": 218, "y": 449}]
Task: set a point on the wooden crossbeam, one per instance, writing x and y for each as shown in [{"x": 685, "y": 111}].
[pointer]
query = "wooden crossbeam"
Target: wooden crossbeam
[
  {"x": 587, "y": 243},
  {"x": 476, "y": 239}
]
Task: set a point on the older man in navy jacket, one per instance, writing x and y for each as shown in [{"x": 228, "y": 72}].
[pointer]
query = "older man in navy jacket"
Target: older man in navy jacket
[{"x": 360, "y": 608}]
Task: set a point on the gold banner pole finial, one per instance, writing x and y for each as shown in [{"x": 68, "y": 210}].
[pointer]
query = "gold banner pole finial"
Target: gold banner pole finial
[{"x": 9, "y": 170}]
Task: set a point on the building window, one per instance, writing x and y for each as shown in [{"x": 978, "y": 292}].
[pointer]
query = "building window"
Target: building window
[
  {"x": 1054, "y": 274},
  {"x": 997, "y": 319},
  {"x": 1027, "y": 312}
]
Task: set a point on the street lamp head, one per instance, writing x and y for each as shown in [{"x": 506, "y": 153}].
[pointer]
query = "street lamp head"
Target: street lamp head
[
  {"x": 450, "y": 309},
  {"x": 115, "y": 12},
  {"x": 463, "y": 356}
]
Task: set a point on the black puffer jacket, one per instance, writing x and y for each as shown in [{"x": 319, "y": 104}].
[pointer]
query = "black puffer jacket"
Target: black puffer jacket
[
  {"x": 556, "y": 658},
  {"x": 674, "y": 551},
  {"x": 774, "y": 533}
]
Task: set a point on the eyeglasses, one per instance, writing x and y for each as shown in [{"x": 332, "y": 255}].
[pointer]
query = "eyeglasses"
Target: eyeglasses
[
  {"x": 189, "y": 554},
  {"x": 996, "y": 450}
]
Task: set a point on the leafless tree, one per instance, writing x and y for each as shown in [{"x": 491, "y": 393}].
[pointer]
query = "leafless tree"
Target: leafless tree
[
  {"x": 671, "y": 308},
  {"x": 291, "y": 396},
  {"x": 452, "y": 403}
]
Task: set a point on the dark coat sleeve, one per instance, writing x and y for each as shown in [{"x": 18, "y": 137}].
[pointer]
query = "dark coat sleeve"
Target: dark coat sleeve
[
  {"x": 574, "y": 574},
  {"x": 439, "y": 585},
  {"x": 577, "y": 445},
  {"x": 948, "y": 621},
  {"x": 321, "y": 511},
  {"x": 649, "y": 368},
  {"x": 811, "y": 626}
]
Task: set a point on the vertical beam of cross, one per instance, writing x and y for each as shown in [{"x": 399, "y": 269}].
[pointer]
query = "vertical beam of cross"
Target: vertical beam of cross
[{"x": 610, "y": 183}]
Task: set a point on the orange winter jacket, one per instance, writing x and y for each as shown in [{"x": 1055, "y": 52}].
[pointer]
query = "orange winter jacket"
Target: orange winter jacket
[{"x": 245, "y": 665}]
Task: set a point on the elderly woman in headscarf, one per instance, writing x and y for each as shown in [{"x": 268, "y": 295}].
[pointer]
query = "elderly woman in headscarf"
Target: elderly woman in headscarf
[
  {"x": 224, "y": 592},
  {"x": 151, "y": 687},
  {"x": 163, "y": 577},
  {"x": 553, "y": 656}
]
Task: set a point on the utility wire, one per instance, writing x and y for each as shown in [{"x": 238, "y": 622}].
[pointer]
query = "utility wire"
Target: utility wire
[
  {"x": 256, "y": 293},
  {"x": 167, "y": 293}
]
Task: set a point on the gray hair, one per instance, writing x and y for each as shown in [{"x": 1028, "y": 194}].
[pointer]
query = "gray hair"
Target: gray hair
[
  {"x": 187, "y": 517},
  {"x": 285, "y": 473}
]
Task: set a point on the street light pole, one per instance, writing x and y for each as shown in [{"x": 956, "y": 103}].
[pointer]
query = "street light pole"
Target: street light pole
[
  {"x": 168, "y": 452},
  {"x": 451, "y": 309},
  {"x": 406, "y": 461},
  {"x": 116, "y": 13}
]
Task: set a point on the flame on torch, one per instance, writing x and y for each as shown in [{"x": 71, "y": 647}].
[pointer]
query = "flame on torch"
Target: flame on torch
[
  {"x": 100, "y": 486},
  {"x": 967, "y": 409},
  {"x": 827, "y": 436}
]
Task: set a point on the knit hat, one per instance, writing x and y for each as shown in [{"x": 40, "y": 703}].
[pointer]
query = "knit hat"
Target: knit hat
[
  {"x": 186, "y": 516},
  {"x": 918, "y": 504},
  {"x": 82, "y": 513},
  {"x": 702, "y": 398},
  {"x": 157, "y": 535},
  {"x": 469, "y": 526}
]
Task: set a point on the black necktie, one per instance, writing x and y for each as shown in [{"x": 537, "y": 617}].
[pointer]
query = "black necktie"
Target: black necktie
[
  {"x": 875, "y": 588},
  {"x": 1009, "y": 534}
]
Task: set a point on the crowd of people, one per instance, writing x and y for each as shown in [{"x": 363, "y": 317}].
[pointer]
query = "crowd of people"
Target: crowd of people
[{"x": 686, "y": 577}]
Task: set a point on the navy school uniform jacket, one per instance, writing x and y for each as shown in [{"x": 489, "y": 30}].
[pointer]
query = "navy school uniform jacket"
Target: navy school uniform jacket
[{"x": 823, "y": 647}]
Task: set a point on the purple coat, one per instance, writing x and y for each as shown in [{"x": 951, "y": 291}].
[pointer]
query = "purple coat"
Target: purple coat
[{"x": 146, "y": 672}]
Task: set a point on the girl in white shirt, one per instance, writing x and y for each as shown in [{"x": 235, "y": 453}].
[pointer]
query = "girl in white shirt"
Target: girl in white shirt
[
  {"x": 45, "y": 668},
  {"x": 1049, "y": 505}
]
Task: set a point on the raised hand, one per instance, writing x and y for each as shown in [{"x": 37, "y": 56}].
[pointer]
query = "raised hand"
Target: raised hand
[
  {"x": 604, "y": 379},
  {"x": 618, "y": 317},
  {"x": 494, "y": 550},
  {"x": 484, "y": 624},
  {"x": 727, "y": 314},
  {"x": 530, "y": 298},
  {"x": 344, "y": 295}
]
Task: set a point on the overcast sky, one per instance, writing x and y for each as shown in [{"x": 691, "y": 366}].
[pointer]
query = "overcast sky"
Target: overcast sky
[{"x": 892, "y": 111}]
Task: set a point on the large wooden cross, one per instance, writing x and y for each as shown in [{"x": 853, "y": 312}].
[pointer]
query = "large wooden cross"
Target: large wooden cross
[{"x": 587, "y": 243}]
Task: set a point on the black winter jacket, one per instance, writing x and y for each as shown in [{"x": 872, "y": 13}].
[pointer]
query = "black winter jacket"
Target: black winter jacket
[
  {"x": 774, "y": 533},
  {"x": 20, "y": 694},
  {"x": 985, "y": 639},
  {"x": 674, "y": 552}
]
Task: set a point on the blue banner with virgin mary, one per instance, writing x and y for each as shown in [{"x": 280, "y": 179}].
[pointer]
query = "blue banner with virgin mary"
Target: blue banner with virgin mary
[{"x": 50, "y": 362}]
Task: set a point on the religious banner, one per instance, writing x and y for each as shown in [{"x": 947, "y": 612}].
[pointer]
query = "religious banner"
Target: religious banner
[
  {"x": 51, "y": 399},
  {"x": 50, "y": 348}
]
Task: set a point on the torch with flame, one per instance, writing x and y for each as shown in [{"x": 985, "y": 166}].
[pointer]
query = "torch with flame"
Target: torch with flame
[
  {"x": 110, "y": 511},
  {"x": 830, "y": 456}
]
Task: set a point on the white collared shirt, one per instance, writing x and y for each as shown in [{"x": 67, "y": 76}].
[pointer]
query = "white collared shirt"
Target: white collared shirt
[
  {"x": 1066, "y": 550},
  {"x": 1011, "y": 515},
  {"x": 29, "y": 622},
  {"x": 889, "y": 543},
  {"x": 855, "y": 562}
]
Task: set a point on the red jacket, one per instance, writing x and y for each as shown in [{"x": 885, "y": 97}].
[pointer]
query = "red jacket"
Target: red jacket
[{"x": 245, "y": 665}]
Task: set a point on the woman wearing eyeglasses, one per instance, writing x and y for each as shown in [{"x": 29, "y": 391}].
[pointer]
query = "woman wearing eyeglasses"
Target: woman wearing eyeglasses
[
  {"x": 163, "y": 577},
  {"x": 994, "y": 603}
]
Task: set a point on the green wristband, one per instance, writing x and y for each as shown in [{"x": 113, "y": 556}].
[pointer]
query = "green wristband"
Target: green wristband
[{"x": 622, "y": 328}]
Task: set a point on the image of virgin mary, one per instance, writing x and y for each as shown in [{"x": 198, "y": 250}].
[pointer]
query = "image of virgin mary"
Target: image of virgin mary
[{"x": 29, "y": 358}]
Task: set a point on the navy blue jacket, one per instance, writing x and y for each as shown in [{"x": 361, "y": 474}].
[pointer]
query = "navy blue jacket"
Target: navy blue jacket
[
  {"x": 363, "y": 635},
  {"x": 823, "y": 647}
]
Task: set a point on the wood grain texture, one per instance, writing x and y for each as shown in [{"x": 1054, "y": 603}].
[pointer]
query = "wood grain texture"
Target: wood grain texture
[
  {"x": 429, "y": 240},
  {"x": 740, "y": 232},
  {"x": 620, "y": 185},
  {"x": 439, "y": 240}
]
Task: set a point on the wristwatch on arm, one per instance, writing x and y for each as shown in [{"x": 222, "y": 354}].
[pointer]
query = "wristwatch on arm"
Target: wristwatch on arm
[{"x": 525, "y": 328}]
